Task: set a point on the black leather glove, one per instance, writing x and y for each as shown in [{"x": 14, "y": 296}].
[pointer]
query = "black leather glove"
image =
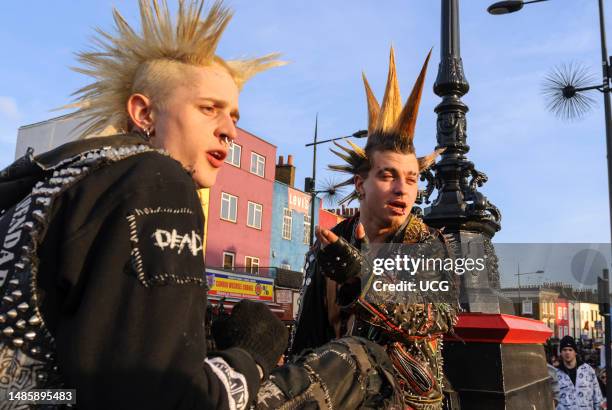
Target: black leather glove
[
  {"x": 341, "y": 261},
  {"x": 349, "y": 373},
  {"x": 254, "y": 328}
]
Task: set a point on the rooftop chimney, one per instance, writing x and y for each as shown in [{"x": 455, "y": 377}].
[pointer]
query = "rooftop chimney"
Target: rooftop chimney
[{"x": 285, "y": 173}]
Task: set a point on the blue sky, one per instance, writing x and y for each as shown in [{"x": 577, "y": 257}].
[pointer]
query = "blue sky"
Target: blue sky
[{"x": 547, "y": 176}]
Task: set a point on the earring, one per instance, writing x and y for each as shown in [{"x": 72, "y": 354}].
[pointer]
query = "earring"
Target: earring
[
  {"x": 147, "y": 134},
  {"x": 360, "y": 195}
]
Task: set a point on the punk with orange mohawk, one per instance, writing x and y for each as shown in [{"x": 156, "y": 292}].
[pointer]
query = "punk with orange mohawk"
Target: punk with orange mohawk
[
  {"x": 390, "y": 128},
  {"x": 342, "y": 296}
]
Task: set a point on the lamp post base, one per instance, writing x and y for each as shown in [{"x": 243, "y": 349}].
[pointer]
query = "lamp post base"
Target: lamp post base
[{"x": 498, "y": 362}]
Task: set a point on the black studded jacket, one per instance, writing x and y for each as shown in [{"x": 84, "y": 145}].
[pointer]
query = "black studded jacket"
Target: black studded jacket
[{"x": 103, "y": 282}]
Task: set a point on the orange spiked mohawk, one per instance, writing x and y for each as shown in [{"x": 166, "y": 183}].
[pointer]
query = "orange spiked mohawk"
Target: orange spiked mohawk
[{"x": 388, "y": 120}]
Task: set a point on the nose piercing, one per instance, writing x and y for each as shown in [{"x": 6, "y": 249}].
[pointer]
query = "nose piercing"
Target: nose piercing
[{"x": 226, "y": 140}]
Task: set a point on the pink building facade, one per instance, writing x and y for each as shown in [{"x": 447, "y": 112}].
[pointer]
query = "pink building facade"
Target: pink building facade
[
  {"x": 562, "y": 318},
  {"x": 240, "y": 207}
]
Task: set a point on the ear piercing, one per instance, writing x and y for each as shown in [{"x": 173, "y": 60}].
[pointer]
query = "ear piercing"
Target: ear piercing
[{"x": 148, "y": 133}]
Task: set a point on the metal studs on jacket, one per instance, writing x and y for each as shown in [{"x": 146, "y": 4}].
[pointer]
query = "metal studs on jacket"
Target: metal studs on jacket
[{"x": 23, "y": 333}]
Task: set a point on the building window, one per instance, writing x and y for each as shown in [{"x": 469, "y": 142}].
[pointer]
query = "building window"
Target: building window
[
  {"x": 228, "y": 260},
  {"x": 565, "y": 313},
  {"x": 258, "y": 164},
  {"x": 229, "y": 207},
  {"x": 527, "y": 307},
  {"x": 287, "y": 221},
  {"x": 307, "y": 229},
  {"x": 285, "y": 266},
  {"x": 233, "y": 154},
  {"x": 251, "y": 264},
  {"x": 254, "y": 215}
]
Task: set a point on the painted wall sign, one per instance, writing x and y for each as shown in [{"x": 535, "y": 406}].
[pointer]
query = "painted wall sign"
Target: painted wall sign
[
  {"x": 299, "y": 201},
  {"x": 239, "y": 286},
  {"x": 284, "y": 296}
]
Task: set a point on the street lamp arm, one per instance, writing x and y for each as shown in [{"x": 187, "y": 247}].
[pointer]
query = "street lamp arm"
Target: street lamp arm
[
  {"x": 509, "y": 6},
  {"x": 529, "y": 273},
  {"x": 358, "y": 134},
  {"x": 600, "y": 87}
]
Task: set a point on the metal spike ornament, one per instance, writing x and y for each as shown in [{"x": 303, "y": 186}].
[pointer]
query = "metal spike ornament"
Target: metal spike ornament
[
  {"x": 566, "y": 88},
  {"x": 332, "y": 191}
]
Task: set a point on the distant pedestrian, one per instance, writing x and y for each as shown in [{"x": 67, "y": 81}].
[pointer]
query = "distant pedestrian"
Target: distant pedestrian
[
  {"x": 578, "y": 384},
  {"x": 554, "y": 383},
  {"x": 602, "y": 376}
]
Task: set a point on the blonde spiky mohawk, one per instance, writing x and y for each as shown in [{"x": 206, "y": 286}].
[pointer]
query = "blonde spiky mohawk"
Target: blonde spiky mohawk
[
  {"x": 386, "y": 121},
  {"x": 119, "y": 59}
]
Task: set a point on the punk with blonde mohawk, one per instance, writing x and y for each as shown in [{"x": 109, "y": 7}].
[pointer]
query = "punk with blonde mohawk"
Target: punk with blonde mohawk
[
  {"x": 128, "y": 62},
  {"x": 389, "y": 127}
]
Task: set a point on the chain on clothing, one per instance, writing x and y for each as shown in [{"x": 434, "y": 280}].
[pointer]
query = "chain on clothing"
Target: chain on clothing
[{"x": 410, "y": 327}]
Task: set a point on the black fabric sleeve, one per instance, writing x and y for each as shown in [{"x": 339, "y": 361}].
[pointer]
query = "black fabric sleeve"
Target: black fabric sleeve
[
  {"x": 124, "y": 291},
  {"x": 312, "y": 328}
]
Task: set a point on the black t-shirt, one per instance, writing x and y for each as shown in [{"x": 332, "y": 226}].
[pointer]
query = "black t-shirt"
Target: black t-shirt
[
  {"x": 570, "y": 372},
  {"x": 124, "y": 290}
]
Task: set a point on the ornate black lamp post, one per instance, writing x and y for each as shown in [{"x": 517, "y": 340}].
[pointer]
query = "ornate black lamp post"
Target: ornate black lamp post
[
  {"x": 513, "y": 376},
  {"x": 568, "y": 101},
  {"x": 460, "y": 208}
]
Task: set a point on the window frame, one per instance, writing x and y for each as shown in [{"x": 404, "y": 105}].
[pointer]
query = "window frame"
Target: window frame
[
  {"x": 233, "y": 255},
  {"x": 221, "y": 207},
  {"x": 231, "y": 150},
  {"x": 527, "y": 311},
  {"x": 249, "y": 203},
  {"x": 307, "y": 232},
  {"x": 263, "y": 161},
  {"x": 287, "y": 217},
  {"x": 249, "y": 268}
]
